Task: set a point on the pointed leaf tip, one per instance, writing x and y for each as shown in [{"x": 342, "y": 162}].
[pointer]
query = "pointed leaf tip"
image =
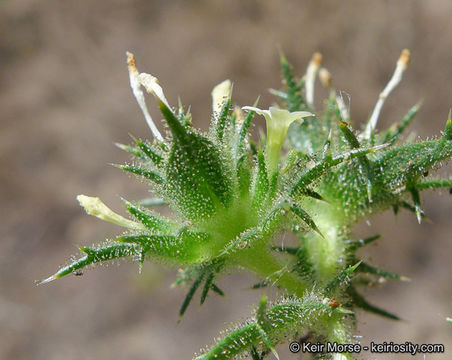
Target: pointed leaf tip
[
  {"x": 344, "y": 311},
  {"x": 260, "y": 313},
  {"x": 267, "y": 341},
  {"x": 354, "y": 267},
  {"x": 448, "y": 128},
  {"x": 303, "y": 215},
  {"x": 46, "y": 281}
]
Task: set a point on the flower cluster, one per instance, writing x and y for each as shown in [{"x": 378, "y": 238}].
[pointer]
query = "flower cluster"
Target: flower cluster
[{"x": 231, "y": 198}]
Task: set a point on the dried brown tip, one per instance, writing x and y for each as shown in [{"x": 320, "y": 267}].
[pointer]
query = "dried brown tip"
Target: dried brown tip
[
  {"x": 405, "y": 57},
  {"x": 325, "y": 78},
  {"x": 131, "y": 62},
  {"x": 317, "y": 59}
]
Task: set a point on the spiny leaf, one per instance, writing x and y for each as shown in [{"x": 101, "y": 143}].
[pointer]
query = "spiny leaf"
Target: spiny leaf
[
  {"x": 342, "y": 277},
  {"x": 312, "y": 194},
  {"x": 242, "y": 241},
  {"x": 146, "y": 173},
  {"x": 241, "y": 154},
  {"x": 369, "y": 269},
  {"x": 260, "y": 313},
  {"x": 221, "y": 121},
  {"x": 296, "y": 314},
  {"x": 349, "y": 136},
  {"x": 207, "y": 286},
  {"x": 106, "y": 252},
  {"x": 184, "y": 248},
  {"x": 401, "y": 165},
  {"x": 411, "y": 208},
  {"x": 433, "y": 184},
  {"x": 354, "y": 245},
  {"x": 393, "y": 134},
  {"x": 448, "y": 129},
  {"x": 235, "y": 343},
  {"x": 151, "y": 220},
  {"x": 184, "y": 117},
  {"x": 303, "y": 215},
  {"x": 417, "y": 202},
  {"x": 364, "y": 164},
  {"x": 135, "y": 151},
  {"x": 243, "y": 174},
  {"x": 263, "y": 335},
  {"x": 190, "y": 294},
  {"x": 294, "y": 101},
  {"x": 196, "y": 178},
  {"x": 261, "y": 184},
  {"x": 205, "y": 271},
  {"x": 244, "y": 128},
  {"x": 361, "y": 302},
  {"x": 321, "y": 168},
  {"x": 216, "y": 289},
  {"x": 151, "y": 154}
]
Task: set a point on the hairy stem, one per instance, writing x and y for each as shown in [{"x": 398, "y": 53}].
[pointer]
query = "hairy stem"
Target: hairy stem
[{"x": 263, "y": 264}]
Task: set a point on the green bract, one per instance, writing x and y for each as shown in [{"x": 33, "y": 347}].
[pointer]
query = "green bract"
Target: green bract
[{"x": 231, "y": 199}]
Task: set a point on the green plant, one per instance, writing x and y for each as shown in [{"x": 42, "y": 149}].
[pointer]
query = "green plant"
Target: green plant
[{"x": 232, "y": 198}]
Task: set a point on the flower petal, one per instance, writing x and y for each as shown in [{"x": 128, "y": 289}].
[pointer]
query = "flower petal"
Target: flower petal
[
  {"x": 95, "y": 207},
  {"x": 139, "y": 96},
  {"x": 257, "y": 110},
  {"x": 299, "y": 115},
  {"x": 220, "y": 94},
  {"x": 152, "y": 86}
]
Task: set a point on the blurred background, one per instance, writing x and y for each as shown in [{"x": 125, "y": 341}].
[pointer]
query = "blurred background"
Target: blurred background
[{"x": 65, "y": 99}]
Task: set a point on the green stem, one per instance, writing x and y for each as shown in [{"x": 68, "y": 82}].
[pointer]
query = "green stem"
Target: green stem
[
  {"x": 338, "y": 332},
  {"x": 263, "y": 264},
  {"x": 327, "y": 252},
  {"x": 275, "y": 140}
]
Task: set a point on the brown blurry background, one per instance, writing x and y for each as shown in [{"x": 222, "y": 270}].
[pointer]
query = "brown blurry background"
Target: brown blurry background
[{"x": 65, "y": 98}]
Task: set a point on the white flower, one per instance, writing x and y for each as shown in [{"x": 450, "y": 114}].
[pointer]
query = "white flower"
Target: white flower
[
  {"x": 278, "y": 122},
  {"x": 220, "y": 94},
  {"x": 139, "y": 96},
  {"x": 94, "y": 206},
  {"x": 151, "y": 84}
]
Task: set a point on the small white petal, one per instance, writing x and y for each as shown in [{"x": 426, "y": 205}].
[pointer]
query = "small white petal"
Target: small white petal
[
  {"x": 256, "y": 110},
  {"x": 95, "y": 207},
  {"x": 276, "y": 111},
  {"x": 311, "y": 74},
  {"x": 152, "y": 86},
  {"x": 282, "y": 117},
  {"x": 220, "y": 94},
  {"x": 299, "y": 115},
  {"x": 396, "y": 78},
  {"x": 139, "y": 96}
]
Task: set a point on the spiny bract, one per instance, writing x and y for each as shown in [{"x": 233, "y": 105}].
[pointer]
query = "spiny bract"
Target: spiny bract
[{"x": 232, "y": 197}]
